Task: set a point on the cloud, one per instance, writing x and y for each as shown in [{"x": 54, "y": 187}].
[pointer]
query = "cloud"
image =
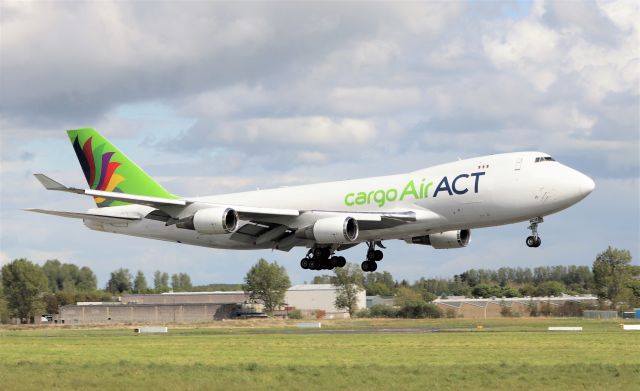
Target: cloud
[{"x": 224, "y": 97}]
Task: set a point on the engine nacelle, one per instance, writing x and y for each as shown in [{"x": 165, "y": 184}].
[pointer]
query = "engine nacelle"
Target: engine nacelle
[
  {"x": 449, "y": 239},
  {"x": 331, "y": 230},
  {"x": 211, "y": 221}
]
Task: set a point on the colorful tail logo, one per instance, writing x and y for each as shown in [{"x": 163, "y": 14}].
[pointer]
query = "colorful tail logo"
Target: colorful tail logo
[{"x": 98, "y": 169}]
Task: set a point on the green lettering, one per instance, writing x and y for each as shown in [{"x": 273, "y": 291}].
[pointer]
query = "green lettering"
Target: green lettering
[
  {"x": 361, "y": 199},
  {"x": 379, "y": 198},
  {"x": 346, "y": 199},
  {"x": 410, "y": 189},
  {"x": 390, "y": 197},
  {"x": 426, "y": 189}
]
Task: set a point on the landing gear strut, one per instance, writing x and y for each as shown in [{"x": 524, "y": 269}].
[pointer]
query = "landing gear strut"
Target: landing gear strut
[
  {"x": 321, "y": 258},
  {"x": 373, "y": 256},
  {"x": 534, "y": 240}
]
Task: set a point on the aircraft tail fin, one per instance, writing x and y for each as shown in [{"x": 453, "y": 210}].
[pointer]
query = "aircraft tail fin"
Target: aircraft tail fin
[{"x": 107, "y": 169}]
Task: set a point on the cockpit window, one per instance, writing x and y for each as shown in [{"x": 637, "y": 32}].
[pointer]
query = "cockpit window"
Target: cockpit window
[{"x": 545, "y": 159}]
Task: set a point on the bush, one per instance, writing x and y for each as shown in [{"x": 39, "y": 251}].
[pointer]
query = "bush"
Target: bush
[
  {"x": 320, "y": 314},
  {"x": 295, "y": 314},
  {"x": 450, "y": 313},
  {"x": 363, "y": 313},
  {"x": 382, "y": 311},
  {"x": 507, "y": 312},
  {"x": 420, "y": 311}
]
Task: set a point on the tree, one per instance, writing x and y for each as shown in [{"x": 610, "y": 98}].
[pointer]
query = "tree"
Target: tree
[
  {"x": 181, "y": 282},
  {"x": 161, "y": 281},
  {"x": 23, "y": 283},
  {"x": 267, "y": 282},
  {"x": 349, "y": 281},
  {"x": 381, "y": 284},
  {"x": 612, "y": 275},
  {"x": 119, "y": 282},
  {"x": 408, "y": 296},
  {"x": 140, "y": 283},
  {"x": 550, "y": 288},
  {"x": 4, "y": 310},
  {"x": 323, "y": 279},
  {"x": 68, "y": 277}
]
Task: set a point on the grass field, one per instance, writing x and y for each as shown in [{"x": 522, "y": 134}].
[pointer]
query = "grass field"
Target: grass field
[{"x": 438, "y": 354}]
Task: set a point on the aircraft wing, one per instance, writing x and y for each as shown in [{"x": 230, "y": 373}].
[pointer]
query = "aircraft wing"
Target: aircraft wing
[{"x": 85, "y": 216}]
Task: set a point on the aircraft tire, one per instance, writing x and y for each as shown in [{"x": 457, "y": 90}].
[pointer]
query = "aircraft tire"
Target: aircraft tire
[
  {"x": 378, "y": 255},
  {"x": 304, "y": 263}
]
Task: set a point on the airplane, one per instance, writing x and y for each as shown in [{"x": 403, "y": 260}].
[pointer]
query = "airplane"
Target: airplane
[{"x": 436, "y": 206}]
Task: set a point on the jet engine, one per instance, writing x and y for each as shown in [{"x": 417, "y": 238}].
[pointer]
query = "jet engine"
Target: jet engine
[
  {"x": 449, "y": 239},
  {"x": 331, "y": 230},
  {"x": 216, "y": 221}
]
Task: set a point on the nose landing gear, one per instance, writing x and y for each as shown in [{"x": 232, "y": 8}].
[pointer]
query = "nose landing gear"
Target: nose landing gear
[{"x": 534, "y": 240}]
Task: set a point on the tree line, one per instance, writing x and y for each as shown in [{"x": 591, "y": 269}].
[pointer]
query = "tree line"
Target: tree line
[{"x": 28, "y": 290}]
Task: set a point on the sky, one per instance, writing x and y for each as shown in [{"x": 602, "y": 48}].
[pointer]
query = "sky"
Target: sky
[{"x": 221, "y": 97}]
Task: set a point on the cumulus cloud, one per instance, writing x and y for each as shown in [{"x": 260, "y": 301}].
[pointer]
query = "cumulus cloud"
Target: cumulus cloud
[{"x": 221, "y": 97}]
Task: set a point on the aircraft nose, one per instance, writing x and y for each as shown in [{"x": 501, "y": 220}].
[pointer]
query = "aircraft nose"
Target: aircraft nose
[{"x": 586, "y": 185}]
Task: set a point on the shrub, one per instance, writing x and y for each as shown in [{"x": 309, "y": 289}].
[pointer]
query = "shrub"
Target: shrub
[
  {"x": 320, "y": 314},
  {"x": 382, "y": 311},
  {"x": 419, "y": 311},
  {"x": 363, "y": 313},
  {"x": 450, "y": 313},
  {"x": 295, "y": 314}
]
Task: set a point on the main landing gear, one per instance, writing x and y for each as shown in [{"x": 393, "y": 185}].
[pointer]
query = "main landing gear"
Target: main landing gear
[
  {"x": 321, "y": 258},
  {"x": 534, "y": 240},
  {"x": 373, "y": 256}
]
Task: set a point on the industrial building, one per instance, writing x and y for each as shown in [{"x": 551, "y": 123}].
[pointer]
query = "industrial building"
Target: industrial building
[
  {"x": 197, "y": 307},
  {"x": 460, "y": 306},
  {"x": 310, "y": 298}
]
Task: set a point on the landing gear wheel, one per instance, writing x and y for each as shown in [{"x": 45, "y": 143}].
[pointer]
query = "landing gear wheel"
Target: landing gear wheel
[
  {"x": 312, "y": 264},
  {"x": 538, "y": 242},
  {"x": 371, "y": 255},
  {"x": 378, "y": 255},
  {"x": 533, "y": 241},
  {"x": 341, "y": 261},
  {"x": 304, "y": 263},
  {"x": 369, "y": 266}
]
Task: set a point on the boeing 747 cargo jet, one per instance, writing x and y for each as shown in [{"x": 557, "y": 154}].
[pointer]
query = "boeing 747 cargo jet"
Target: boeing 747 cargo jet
[{"x": 436, "y": 206}]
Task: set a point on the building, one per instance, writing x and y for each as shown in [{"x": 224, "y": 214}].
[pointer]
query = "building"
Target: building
[
  {"x": 380, "y": 300},
  {"x": 319, "y": 297},
  {"x": 460, "y": 306},
  {"x": 196, "y": 307}
]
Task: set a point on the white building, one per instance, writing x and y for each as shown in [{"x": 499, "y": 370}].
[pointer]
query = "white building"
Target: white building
[{"x": 312, "y": 297}]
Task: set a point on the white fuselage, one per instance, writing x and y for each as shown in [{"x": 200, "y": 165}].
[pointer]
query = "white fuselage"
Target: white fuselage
[{"x": 473, "y": 193}]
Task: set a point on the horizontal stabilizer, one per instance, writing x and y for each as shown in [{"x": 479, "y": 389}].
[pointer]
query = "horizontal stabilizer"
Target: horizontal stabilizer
[
  {"x": 156, "y": 202},
  {"x": 49, "y": 183},
  {"x": 88, "y": 216}
]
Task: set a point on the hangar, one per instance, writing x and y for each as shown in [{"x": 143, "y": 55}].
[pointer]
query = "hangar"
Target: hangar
[{"x": 197, "y": 307}]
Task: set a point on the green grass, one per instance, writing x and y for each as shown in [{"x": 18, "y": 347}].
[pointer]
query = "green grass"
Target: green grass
[{"x": 505, "y": 355}]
